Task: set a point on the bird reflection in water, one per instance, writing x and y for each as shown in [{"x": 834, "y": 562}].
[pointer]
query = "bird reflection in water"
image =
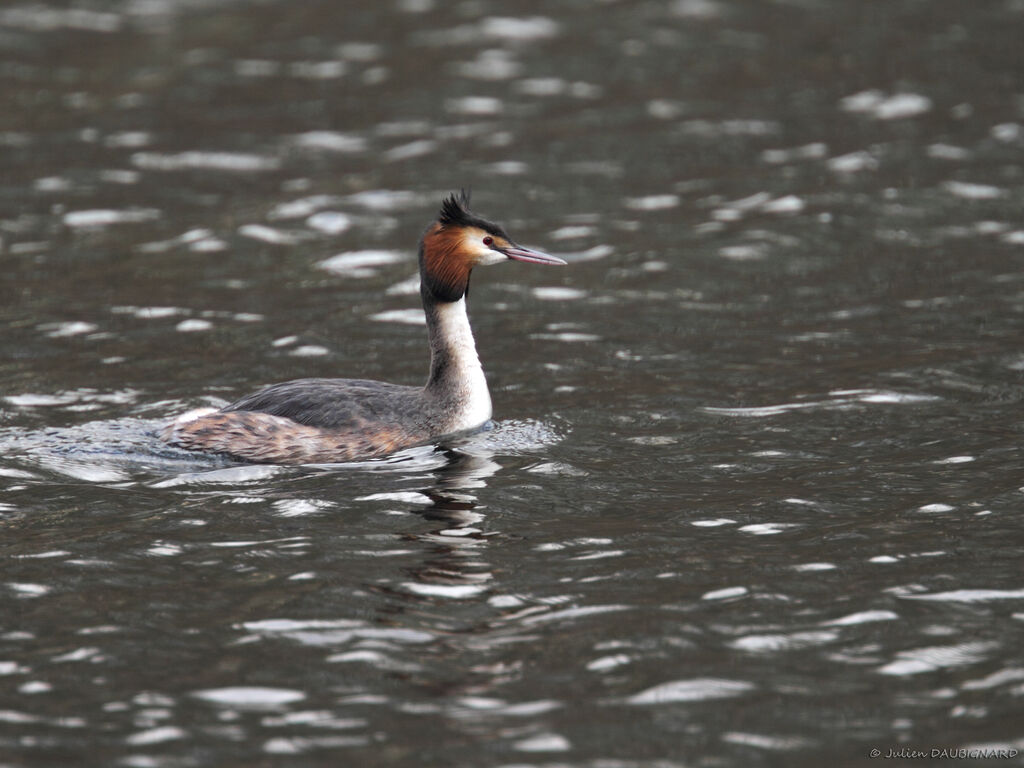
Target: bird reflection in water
[
  {"x": 453, "y": 594},
  {"x": 454, "y": 568}
]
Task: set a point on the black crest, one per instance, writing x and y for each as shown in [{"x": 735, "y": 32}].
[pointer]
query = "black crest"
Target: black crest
[
  {"x": 455, "y": 213},
  {"x": 455, "y": 210}
]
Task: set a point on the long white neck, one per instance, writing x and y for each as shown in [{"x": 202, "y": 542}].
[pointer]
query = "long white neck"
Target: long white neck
[{"x": 456, "y": 376}]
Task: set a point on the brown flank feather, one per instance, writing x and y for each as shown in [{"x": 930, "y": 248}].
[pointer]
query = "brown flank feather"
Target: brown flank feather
[{"x": 260, "y": 437}]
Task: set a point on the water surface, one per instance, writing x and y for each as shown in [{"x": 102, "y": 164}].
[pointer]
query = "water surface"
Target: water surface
[{"x": 752, "y": 492}]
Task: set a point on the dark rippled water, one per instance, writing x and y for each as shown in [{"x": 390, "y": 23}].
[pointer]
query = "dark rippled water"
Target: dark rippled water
[{"x": 754, "y": 487}]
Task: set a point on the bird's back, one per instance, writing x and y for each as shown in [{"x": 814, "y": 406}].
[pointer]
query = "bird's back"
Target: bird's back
[
  {"x": 335, "y": 403},
  {"x": 310, "y": 421}
]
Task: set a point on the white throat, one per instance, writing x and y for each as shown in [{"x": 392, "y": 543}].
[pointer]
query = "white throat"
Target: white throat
[{"x": 462, "y": 380}]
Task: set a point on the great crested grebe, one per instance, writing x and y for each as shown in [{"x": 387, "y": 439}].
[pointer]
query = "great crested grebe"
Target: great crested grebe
[{"x": 334, "y": 420}]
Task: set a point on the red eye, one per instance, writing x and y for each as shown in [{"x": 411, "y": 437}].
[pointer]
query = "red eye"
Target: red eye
[{"x": 488, "y": 240}]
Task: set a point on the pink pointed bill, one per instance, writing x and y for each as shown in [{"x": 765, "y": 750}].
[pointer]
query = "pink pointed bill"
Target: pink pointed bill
[{"x": 519, "y": 253}]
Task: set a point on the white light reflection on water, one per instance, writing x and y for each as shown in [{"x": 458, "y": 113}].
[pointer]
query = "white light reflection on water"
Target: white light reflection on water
[
  {"x": 837, "y": 399},
  {"x": 917, "y": 661},
  {"x": 234, "y": 162},
  {"x": 699, "y": 689},
  {"x": 250, "y": 697}
]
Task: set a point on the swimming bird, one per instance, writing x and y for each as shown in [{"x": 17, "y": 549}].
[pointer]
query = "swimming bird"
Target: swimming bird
[{"x": 337, "y": 420}]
